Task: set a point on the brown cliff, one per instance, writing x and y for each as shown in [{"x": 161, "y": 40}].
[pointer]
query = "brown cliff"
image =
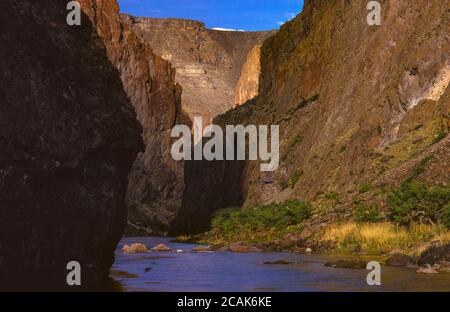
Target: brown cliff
[
  {"x": 68, "y": 138},
  {"x": 150, "y": 83},
  {"x": 208, "y": 62},
  {"x": 248, "y": 84},
  {"x": 354, "y": 103}
]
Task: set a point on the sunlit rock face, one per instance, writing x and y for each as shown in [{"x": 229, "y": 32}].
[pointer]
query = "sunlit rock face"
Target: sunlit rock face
[
  {"x": 68, "y": 138},
  {"x": 355, "y": 103},
  {"x": 248, "y": 84}
]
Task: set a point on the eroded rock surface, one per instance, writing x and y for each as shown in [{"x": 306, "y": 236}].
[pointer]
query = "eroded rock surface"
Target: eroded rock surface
[{"x": 354, "y": 102}]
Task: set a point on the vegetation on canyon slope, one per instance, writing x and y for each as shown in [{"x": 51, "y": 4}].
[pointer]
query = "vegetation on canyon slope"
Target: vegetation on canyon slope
[
  {"x": 261, "y": 223},
  {"x": 416, "y": 214}
]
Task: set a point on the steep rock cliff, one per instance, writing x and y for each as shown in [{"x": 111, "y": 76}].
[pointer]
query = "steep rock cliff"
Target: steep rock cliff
[
  {"x": 68, "y": 137},
  {"x": 248, "y": 84},
  {"x": 150, "y": 83},
  {"x": 208, "y": 62},
  {"x": 354, "y": 102}
]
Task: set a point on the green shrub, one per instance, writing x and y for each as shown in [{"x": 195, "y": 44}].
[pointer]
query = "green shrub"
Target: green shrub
[
  {"x": 249, "y": 223},
  {"x": 446, "y": 216},
  {"x": 416, "y": 202},
  {"x": 419, "y": 169},
  {"x": 439, "y": 137},
  {"x": 295, "y": 176},
  {"x": 368, "y": 214},
  {"x": 332, "y": 196},
  {"x": 365, "y": 188}
]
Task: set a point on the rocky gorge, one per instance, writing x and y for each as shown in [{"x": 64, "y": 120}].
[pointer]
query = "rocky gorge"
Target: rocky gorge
[
  {"x": 154, "y": 182},
  {"x": 193, "y": 71},
  {"x": 346, "y": 144},
  {"x": 87, "y": 113}
]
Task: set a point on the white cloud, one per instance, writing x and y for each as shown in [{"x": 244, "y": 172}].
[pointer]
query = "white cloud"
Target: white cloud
[{"x": 226, "y": 29}]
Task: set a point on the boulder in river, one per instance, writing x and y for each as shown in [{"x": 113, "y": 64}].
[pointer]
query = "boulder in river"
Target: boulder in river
[
  {"x": 135, "y": 248},
  {"x": 284, "y": 262},
  {"x": 436, "y": 253},
  {"x": 201, "y": 249},
  {"x": 427, "y": 269},
  {"x": 399, "y": 260},
  {"x": 161, "y": 247},
  {"x": 348, "y": 264},
  {"x": 242, "y": 248}
]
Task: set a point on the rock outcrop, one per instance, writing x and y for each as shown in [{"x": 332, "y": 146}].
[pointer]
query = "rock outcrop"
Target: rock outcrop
[
  {"x": 248, "y": 84},
  {"x": 68, "y": 138},
  {"x": 134, "y": 248},
  {"x": 351, "y": 101},
  {"x": 208, "y": 62},
  {"x": 156, "y": 181}
]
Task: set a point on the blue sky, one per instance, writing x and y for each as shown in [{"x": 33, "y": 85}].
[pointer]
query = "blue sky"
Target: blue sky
[{"x": 248, "y": 15}]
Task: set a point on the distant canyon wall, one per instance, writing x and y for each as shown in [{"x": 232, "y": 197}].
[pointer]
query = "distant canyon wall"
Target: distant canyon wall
[{"x": 208, "y": 62}]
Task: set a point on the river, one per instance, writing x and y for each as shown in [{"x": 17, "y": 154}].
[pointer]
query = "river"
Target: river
[{"x": 225, "y": 272}]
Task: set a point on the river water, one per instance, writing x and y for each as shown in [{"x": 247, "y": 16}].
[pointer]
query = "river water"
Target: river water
[{"x": 225, "y": 271}]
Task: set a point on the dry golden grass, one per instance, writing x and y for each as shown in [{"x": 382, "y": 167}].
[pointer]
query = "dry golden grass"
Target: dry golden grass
[{"x": 377, "y": 237}]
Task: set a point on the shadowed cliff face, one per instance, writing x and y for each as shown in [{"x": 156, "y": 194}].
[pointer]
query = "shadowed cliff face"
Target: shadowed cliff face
[
  {"x": 207, "y": 65},
  {"x": 208, "y": 62},
  {"x": 156, "y": 181},
  {"x": 354, "y": 103},
  {"x": 68, "y": 137}
]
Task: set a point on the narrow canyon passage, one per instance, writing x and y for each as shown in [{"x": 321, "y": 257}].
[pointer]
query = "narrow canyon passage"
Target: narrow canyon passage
[{"x": 352, "y": 97}]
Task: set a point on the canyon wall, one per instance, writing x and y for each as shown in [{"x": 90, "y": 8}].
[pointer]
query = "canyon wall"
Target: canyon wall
[
  {"x": 156, "y": 181},
  {"x": 356, "y": 104},
  {"x": 248, "y": 84},
  {"x": 68, "y": 138},
  {"x": 208, "y": 62}
]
